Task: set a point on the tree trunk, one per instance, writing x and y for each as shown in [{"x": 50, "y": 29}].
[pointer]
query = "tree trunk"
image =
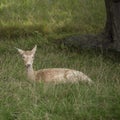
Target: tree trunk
[
  {"x": 109, "y": 38},
  {"x": 112, "y": 28}
]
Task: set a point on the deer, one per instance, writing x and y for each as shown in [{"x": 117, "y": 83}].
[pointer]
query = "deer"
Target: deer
[{"x": 55, "y": 75}]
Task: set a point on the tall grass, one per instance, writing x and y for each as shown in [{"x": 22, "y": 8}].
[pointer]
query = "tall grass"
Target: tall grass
[{"x": 22, "y": 99}]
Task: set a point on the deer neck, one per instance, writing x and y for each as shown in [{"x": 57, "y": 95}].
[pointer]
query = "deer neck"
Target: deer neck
[{"x": 30, "y": 73}]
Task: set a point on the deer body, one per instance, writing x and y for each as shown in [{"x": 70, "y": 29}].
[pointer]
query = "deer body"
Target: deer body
[{"x": 56, "y": 75}]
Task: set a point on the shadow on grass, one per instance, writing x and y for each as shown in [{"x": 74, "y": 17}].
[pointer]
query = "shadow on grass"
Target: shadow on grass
[
  {"x": 31, "y": 31},
  {"x": 21, "y": 31},
  {"x": 14, "y": 32},
  {"x": 111, "y": 55}
]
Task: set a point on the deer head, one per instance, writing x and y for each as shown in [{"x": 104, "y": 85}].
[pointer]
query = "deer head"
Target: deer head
[{"x": 28, "y": 56}]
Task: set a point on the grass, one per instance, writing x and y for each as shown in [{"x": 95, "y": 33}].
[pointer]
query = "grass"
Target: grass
[
  {"x": 22, "y": 99},
  {"x": 50, "y": 17}
]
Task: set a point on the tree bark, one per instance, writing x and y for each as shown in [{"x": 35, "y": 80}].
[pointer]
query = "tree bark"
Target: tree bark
[
  {"x": 109, "y": 38},
  {"x": 112, "y": 28}
]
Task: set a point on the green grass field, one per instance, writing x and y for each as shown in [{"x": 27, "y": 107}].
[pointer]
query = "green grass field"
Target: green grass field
[
  {"x": 25, "y": 17},
  {"x": 22, "y": 99}
]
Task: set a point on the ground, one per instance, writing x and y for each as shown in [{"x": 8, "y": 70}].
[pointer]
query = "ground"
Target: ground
[{"x": 22, "y": 99}]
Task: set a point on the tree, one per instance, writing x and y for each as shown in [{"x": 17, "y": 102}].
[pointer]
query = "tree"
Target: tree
[
  {"x": 109, "y": 38},
  {"x": 112, "y": 28}
]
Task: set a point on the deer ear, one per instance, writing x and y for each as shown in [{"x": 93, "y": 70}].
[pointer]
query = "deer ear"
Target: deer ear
[
  {"x": 20, "y": 50},
  {"x": 34, "y": 49}
]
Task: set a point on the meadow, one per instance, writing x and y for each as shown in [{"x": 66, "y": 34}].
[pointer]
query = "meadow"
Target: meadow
[
  {"x": 28, "y": 22},
  {"x": 50, "y": 17}
]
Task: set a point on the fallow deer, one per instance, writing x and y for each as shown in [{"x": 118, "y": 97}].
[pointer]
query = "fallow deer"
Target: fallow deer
[{"x": 56, "y": 75}]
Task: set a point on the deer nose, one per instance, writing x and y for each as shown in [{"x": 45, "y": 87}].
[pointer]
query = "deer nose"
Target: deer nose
[{"x": 28, "y": 65}]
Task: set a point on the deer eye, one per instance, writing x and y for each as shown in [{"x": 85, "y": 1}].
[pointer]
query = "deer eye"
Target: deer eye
[{"x": 23, "y": 57}]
